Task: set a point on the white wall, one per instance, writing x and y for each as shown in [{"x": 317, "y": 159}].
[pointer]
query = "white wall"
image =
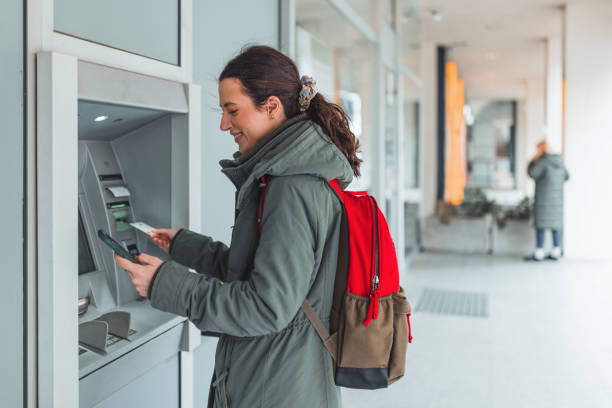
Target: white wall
[
  {"x": 588, "y": 144},
  {"x": 215, "y": 42},
  {"x": 219, "y": 32},
  {"x": 11, "y": 181}
]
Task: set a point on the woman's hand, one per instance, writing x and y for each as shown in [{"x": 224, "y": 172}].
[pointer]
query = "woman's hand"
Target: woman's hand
[
  {"x": 141, "y": 275},
  {"x": 163, "y": 237}
]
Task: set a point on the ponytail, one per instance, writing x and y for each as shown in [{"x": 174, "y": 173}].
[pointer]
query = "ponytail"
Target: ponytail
[{"x": 333, "y": 121}]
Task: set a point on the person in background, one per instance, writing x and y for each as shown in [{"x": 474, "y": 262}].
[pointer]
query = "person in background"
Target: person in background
[{"x": 549, "y": 173}]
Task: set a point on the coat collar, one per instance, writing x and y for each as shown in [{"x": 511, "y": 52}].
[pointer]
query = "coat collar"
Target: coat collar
[{"x": 240, "y": 168}]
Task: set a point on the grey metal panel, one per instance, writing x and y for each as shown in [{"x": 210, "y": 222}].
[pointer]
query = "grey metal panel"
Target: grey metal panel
[
  {"x": 103, "y": 383},
  {"x": 99, "y": 83},
  {"x": 11, "y": 181},
  {"x": 145, "y": 159},
  {"x": 101, "y": 160},
  {"x": 179, "y": 193},
  {"x": 157, "y": 388},
  {"x": 57, "y": 237},
  {"x": 146, "y": 321},
  {"x": 144, "y": 27},
  {"x": 57, "y": 229}
]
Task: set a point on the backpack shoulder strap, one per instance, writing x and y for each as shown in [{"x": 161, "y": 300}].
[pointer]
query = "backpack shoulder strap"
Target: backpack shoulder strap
[
  {"x": 336, "y": 187},
  {"x": 328, "y": 341}
]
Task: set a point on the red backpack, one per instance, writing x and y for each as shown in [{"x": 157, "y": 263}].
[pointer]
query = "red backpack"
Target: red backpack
[{"x": 370, "y": 316}]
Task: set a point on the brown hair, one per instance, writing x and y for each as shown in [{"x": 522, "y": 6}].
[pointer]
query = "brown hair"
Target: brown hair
[{"x": 264, "y": 72}]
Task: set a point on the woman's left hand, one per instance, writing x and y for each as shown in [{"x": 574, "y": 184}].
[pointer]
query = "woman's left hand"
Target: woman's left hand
[{"x": 141, "y": 275}]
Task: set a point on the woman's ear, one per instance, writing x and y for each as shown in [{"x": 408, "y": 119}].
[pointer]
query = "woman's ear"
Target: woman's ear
[{"x": 274, "y": 107}]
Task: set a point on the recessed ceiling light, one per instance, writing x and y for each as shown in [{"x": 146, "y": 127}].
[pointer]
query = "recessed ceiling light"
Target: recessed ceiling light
[
  {"x": 100, "y": 118},
  {"x": 436, "y": 16}
]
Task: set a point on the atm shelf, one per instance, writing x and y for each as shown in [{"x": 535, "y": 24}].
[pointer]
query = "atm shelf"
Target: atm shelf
[{"x": 147, "y": 324}]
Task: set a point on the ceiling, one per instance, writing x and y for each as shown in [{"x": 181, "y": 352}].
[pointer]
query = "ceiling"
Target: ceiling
[
  {"x": 121, "y": 120},
  {"x": 491, "y": 22},
  {"x": 497, "y": 44}
]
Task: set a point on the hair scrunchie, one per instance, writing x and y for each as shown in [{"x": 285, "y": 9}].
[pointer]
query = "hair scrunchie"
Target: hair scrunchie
[{"x": 309, "y": 90}]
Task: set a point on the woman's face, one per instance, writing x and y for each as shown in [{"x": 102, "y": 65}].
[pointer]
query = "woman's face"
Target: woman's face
[{"x": 247, "y": 123}]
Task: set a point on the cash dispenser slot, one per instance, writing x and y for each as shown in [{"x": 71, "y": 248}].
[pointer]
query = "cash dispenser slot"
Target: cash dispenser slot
[
  {"x": 110, "y": 177},
  {"x": 118, "y": 204}
]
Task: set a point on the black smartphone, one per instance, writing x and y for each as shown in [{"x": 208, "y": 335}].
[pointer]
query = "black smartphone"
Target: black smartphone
[{"x": 115, "y": 246}]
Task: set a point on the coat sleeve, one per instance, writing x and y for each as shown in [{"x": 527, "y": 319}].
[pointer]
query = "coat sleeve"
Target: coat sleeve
[
  {"x": 536, "y": 169},
  {"x": 201, "y": 253},
  {"x": 281, "y": 276}
]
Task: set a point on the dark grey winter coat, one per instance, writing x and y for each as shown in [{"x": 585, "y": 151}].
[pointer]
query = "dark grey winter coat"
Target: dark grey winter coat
[
  {"x": 269, "y": 354},
  {"x": 550, "y": 174}
]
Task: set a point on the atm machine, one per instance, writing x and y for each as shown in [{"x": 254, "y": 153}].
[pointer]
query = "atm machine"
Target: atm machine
[{"x": 114, "y": 147}]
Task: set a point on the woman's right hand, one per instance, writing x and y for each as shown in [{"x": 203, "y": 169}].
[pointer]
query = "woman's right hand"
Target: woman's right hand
[{"x": 163, "y": 237}]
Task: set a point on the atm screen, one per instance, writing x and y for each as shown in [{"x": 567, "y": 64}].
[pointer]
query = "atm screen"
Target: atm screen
[{"x": 86, "y": 263}]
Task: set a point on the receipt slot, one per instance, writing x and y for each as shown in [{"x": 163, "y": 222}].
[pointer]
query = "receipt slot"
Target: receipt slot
[{"x": 113, "y": 147}]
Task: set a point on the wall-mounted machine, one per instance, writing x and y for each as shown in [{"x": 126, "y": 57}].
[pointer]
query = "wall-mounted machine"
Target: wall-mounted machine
[{"x": 114, "y": 147}]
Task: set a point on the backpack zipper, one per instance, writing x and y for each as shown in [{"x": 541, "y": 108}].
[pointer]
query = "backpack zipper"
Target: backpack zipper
[
  {"x": 375, "y": 279},
  {"x": 375, "y": 284}
]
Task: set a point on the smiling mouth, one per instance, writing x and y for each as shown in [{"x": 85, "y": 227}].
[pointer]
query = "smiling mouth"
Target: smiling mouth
[{"x": 237, "y": 137}]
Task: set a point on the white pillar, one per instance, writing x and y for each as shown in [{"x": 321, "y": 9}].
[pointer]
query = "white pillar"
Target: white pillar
[
  {"x": 400, "y": 238},
  {"x": 588, "y": 137},
  {"x": 429, "y": 166},
  {"x": 554, "y": 93},
  {"x": 535, "y": 126},
  {"x": 377, "y": 85}
]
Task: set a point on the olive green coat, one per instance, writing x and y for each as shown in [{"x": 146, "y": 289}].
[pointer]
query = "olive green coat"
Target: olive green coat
[
  {"x": 549, "y": 174},
  {"x": 269, "y": 355}
]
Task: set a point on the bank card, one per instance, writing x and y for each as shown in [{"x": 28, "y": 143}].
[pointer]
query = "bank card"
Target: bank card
[{"x": 141, "y": 226}]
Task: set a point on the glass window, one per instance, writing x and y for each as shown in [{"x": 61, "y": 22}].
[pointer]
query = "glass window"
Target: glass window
[{"x": 491, "y": 143}]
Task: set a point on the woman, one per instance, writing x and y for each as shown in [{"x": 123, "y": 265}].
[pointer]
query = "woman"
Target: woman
[
  {"x": 269, "y": 355},
  {"x": 549, "y": 173}
]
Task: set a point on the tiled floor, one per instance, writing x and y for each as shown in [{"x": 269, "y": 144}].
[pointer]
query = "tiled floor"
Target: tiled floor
[{"x": 547, "y": 340}]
